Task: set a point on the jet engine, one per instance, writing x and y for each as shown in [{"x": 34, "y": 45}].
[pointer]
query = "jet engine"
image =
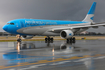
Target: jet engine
[
  {"x": 66, "y": 34},
  {"x": 27, "y": 37}
]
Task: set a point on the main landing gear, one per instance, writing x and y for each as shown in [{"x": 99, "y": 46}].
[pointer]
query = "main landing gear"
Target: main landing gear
[
  {"x": 48, "y": 39},
  {"x": 71, "y": 40}
]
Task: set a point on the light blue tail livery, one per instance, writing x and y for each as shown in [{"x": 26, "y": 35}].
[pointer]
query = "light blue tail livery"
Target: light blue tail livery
[{"x": 90, "y": 16}]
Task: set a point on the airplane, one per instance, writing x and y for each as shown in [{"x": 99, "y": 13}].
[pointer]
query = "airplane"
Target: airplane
[{"x": 28, "y": 28}]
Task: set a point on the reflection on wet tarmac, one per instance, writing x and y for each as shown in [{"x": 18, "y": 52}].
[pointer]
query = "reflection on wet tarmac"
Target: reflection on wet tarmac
[
  {"x": 41, "y": 51},
  {"x": 58, "y": 52},
  {"x": 54, "y": 46},
  {"x": 61, "y": 46}
]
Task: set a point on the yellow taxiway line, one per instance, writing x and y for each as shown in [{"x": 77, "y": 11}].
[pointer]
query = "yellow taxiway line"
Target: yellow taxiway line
[{"x": 46, "y": 61}]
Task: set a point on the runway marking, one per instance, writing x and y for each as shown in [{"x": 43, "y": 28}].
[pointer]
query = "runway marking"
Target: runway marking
[
  {"x": 42, "y": 61},
  {"x": 60, "y": 63},
  {"x": 84, "y": 59},
  {"x": 34, "y": 66},
  {"x": 86, "y": 56},
  {"x": 56, "y": 60},
  {"x": 2, "y": 66},
  {"x": 100, "y": 57}
]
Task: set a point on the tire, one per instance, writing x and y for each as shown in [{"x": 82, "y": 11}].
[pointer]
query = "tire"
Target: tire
[
  {"x": 51, "y": 39},
  {"x": 73, "y": 40},
  {"x": 46, "y": 39}
]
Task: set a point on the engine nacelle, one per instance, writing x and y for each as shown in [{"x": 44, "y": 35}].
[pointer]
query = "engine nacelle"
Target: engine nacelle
[
  {"x": 66, "y": 34},
  {"x": 27, "y": 37}
]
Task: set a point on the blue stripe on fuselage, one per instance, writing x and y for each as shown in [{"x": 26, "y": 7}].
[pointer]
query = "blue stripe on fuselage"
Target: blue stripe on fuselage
[{"x": 33, "y": 22}]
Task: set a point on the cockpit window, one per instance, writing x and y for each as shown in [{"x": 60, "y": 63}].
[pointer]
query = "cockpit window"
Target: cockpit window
[{"x": 11, "y": 23}]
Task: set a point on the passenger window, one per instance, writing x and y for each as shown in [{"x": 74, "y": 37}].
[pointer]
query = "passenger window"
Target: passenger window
[{"x": 12, "y": 23}]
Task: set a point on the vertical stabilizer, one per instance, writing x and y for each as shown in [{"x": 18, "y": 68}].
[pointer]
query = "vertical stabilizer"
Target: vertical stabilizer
[{"x": 90, "y": 16}]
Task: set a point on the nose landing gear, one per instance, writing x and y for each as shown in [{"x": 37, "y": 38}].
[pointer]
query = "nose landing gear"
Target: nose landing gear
[
  {"x": 19, "y": 38},
  {"x": 18, "y": 43}
]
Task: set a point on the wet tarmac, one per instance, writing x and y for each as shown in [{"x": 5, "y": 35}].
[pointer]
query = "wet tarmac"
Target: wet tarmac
[{"x": 57, "y": 55}]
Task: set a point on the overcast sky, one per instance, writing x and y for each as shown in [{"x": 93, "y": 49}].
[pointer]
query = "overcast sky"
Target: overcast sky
[{"x": 74, "y": 10}]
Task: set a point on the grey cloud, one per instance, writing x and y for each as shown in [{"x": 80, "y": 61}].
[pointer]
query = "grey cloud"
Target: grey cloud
[{"x": 50, "y": 9}]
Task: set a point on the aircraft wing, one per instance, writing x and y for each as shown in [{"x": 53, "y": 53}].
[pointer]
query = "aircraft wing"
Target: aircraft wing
[
  {"x": 99, "y": 23},
  {"x": 95, "y": 25},
  {"x": 89, "y": 26}
]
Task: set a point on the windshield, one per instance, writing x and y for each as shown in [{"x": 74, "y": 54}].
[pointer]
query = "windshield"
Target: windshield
[{"x": 11, "y": 23}]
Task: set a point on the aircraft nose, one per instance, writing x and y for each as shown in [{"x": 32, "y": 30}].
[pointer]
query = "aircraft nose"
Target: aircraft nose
[{"x": 5, "y": 27}]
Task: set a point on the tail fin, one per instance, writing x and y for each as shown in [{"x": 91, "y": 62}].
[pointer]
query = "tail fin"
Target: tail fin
[{"x": 90, "y": 16}]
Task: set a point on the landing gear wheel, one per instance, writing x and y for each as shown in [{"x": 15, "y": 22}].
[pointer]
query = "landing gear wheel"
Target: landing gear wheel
[
  {"x": 67, "y": 40},
  {"x": 48, "y": 39},
  {"x": 51, "y": 39},
  {"x": 19, "y": 40},
  {"x": 71, "y": 40}
]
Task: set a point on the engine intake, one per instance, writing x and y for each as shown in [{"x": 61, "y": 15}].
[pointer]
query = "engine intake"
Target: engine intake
[{"x": 66, "y": 34}]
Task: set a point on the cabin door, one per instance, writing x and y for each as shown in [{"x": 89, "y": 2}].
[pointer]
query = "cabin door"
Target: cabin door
[{"x": 22, "y": 24}]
